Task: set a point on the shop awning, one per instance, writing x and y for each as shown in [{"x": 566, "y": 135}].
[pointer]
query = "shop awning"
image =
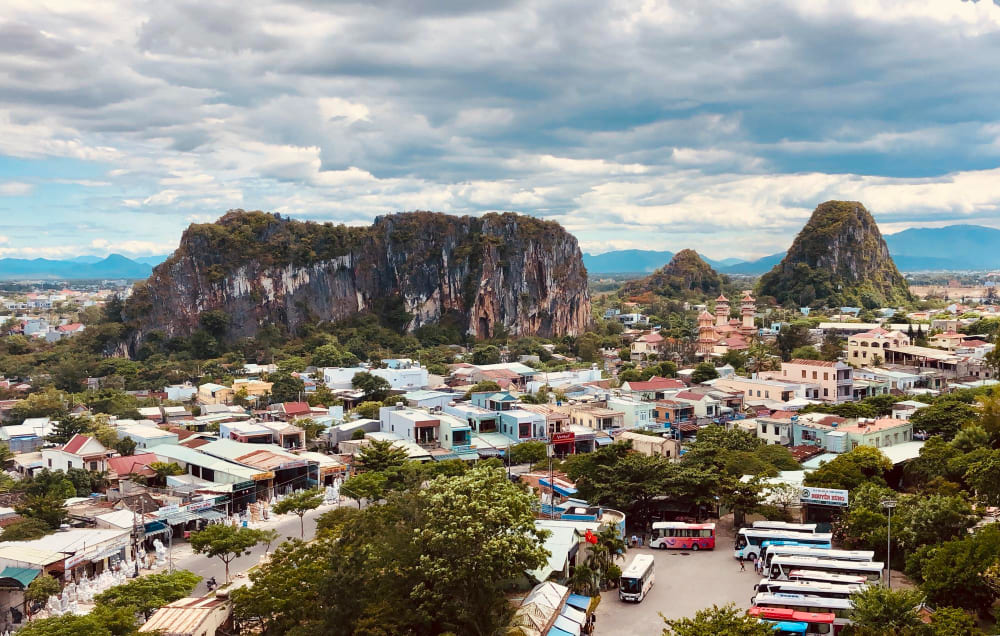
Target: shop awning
[
  {"x": 178, "y": 518},
  {"x": 565, "y": 491},
  {"x": 444, "y": 457},
  {"x": 154, "y": 528},
  {"x": 567, "y": 625},
  {"x": 579, "y": 601},
  {"x": 17, "y": 578},
  {"x": 469, "y": 456},
  {"x": 490, "y": 452},
  {"x": 555, "y": 631},
  {"x": 603, "y": 441},
  {"x": 211, "y": 515}
]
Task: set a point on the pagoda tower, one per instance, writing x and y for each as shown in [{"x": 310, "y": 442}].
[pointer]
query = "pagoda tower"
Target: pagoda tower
[
  {"x": 721, "y": 311},
  {"x": 706, "y": 333},
  {"x": 748, "y": 307}
]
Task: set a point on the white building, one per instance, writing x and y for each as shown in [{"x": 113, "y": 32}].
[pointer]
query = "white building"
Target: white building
[
  {"x": 558, "y": 379},
  {"x": 79, "y": 452},
  {"x": 401, "y": 379}
]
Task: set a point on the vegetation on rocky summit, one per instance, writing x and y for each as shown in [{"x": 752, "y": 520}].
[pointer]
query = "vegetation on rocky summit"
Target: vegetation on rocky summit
[
  {"x": 839, "y": 258},
  {"x": 686, "y": 276}
]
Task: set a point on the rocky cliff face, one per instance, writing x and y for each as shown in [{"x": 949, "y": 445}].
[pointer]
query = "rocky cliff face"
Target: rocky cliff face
[
  {"x": 484, "y": 273},
  {"x": 687, "y": 275},
  {"x": 838, "y": 258}
]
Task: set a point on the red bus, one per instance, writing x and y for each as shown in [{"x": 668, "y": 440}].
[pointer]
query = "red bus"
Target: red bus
[
  {"x": 790, "y": 621},
  {"x": 683, "y": 536}
]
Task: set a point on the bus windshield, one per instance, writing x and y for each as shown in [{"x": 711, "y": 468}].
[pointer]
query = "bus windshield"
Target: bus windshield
[{"x": 631, "y": 586}]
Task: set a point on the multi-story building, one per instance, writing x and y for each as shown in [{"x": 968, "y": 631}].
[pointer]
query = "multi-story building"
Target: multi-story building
[
  {"x": 637, "y": 413},
  {"x": 869, "y": 347},
  {"x": 835, "y": 379}
]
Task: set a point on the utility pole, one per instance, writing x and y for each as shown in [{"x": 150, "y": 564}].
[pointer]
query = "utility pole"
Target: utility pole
[{"x": 888, "y": 504}]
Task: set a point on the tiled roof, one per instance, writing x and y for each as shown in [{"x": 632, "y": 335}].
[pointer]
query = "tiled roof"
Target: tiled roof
[
  {"x": 656, "y": 383},
  {"x": 813, "y": 363},
  {"x": 805, "y": 451},
  {"x": 75, "y": 444},
  {"x": 133, "y": 464},
  {"x": 296, "y": 408}
]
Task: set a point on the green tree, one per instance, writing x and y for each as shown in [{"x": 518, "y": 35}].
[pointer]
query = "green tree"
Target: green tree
[
  {"x": 285, "y": 387},
  {"x": 330, "y": 355},
  {"x": 375, "y": 388},
  {"x": 488, "y": 354},
  {"x": 368, "y": 410},
  {"x": 287, "y": 591},
  {"x": 368, "y": 486},
  {"x": 952, "y": 573},
  {"x": 48, "y": 508},
  {"x": 299, "y": 503},
  {"x": 125, "y": 447},
  {"x": 164, "y": 470},
  {"x": 67, "y": 427},
  {"x": 69, "y": 625},
  {"x": 807, "y": 352},
  {"x": 40, "y": 589},
  {"x": 225, "y": 542},
  {"x": 717, "y": 620},
  {"x": 476, "y": 532},
  {"x": 741, "y": 497},
  {"x": 983, "y": 476},
  {"x": 885, "y": 611},
  {"x": 946, "y": 417},
  {"x": 530, "y": 452},
  {"x": 851, "y": 469},
  {"x": 951, "y": 621},
  {"x": 27, "y": 529},
  {"x": 146, "y": 594},
  {"x": 703, "y": 372},
  {"x": 215, "y": 322},
  {"x": 379, "y": 455}
]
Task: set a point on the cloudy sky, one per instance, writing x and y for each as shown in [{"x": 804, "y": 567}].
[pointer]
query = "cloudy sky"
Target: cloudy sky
[{"x": 636, "y": 124}]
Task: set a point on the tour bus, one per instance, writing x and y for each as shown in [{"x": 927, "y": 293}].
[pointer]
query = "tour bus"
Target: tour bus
[
  {"x": 817, "y": 576},
  {"x": 765, "y": 546},
  {"x": 806, "y": 588},
  {"x": 636, "y": 579},
  {"x": 819, "y": 553},
  {"x": 841, "y": 608},
  {"x": 685, "y": 536},
  {"x": 809, "y": 528},
  {"x": 789, "y": 622},
  {"x": 748, "y": 540},
  {"x": 782, "y": 566}
]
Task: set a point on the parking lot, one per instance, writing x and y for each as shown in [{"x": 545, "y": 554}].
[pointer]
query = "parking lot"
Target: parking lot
[{"x": 685, "y": 582}]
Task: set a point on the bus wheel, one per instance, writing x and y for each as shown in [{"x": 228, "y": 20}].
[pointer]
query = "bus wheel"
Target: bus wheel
[{"x": 695, "y": 547}]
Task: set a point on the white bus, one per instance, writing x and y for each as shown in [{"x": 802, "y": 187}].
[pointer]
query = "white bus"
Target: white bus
[
  {"x": 806, "y": 588},
  {"x": 841, "y": 608},
  {"x": 826, "y": 577},
  {"x": 820, "y": 553},
  {"x": 782, "y": 566},
  {"x": 784, "y": 525},
  {"x": 748, "y": 540},
  {"x": 636, "y": 579}
]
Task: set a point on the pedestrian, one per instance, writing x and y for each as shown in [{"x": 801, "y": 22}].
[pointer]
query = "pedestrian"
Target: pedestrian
[
  {"x": 635, "y": 540},
  {"x": 743, "y": 566}
]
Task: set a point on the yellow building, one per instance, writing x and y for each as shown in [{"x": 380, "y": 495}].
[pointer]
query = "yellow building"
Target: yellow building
[{"x": 210, "y": 393}]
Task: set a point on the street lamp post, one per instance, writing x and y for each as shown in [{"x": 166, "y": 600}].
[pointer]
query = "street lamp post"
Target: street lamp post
[{"x": 888, "y": 504}]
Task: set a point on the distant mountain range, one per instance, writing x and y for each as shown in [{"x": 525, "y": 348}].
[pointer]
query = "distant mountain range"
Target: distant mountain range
[
  {"x": 955, "y": 247},
  {"x": 79, "y": 268},
  {"x": 646, "y": 261}
]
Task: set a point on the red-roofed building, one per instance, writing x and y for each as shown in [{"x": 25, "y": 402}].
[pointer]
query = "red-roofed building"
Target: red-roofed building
[
  {"x": 647, "y": 344},
  {"x": 655, "y": 388},
  {"x": 80, "y": 451},
  {"x": 122, "y": 467},
  {"x": 71, "y": 328},
  {"x": 293, "y": 409}
]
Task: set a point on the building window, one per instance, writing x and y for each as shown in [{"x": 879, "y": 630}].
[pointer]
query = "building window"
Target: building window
[
  {"x": 50, "y": 463},
  {"x": 93, "y": 465},
  {"x": 815, "y": 375},
  {"x": 826, "y": 392}
]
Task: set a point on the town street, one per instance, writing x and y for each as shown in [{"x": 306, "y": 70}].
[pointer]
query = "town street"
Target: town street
[{"x": 288, "y": 525}]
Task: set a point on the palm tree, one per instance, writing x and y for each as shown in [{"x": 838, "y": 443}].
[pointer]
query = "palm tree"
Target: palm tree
[{"x": 584, "y": 581}]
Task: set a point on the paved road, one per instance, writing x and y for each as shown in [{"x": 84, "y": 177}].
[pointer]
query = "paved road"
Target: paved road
[
  {"x": 287, "y": 525},
  {"x": 685, "y": 583}
]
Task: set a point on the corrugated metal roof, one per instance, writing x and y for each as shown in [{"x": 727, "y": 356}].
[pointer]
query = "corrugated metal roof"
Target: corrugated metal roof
[{"x": 184, "y": 617}]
